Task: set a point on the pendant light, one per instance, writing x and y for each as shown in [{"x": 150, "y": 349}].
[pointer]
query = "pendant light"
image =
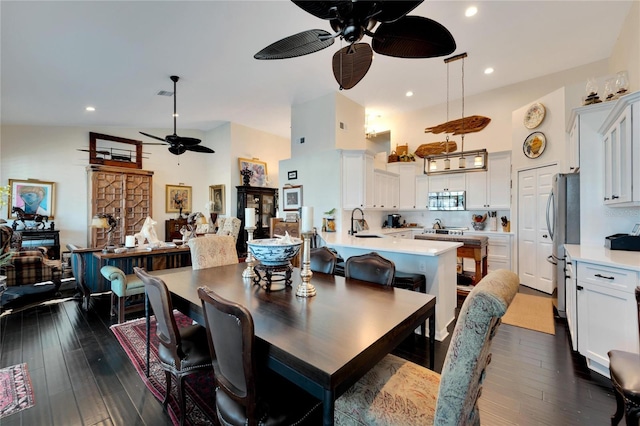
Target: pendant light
[{"x": 462, "y": 162}]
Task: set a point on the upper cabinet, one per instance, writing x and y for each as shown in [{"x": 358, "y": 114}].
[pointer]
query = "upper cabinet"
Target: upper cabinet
[
  {"x": 621, "y": 139},
  {"x": 357, "y": 179},
  {"x": 491, "y": 189},
  {"x": 385, "y": 190},
  {"x": 447, "y": 182},
  {"x": 583, "y": 131},
  {"x": 408, "y": 172}
]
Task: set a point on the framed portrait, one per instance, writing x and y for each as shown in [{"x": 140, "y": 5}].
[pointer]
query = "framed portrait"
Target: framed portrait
[
  {"x": 32, "y": 196},
  {"x": 178, "y": 198},
  {"x": 292, "y": 197},
  {"x": 259, "y": 169},
  {"x": 216, "y": 196}
]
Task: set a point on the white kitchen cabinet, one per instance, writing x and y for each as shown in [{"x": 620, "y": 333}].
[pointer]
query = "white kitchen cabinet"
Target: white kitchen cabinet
[
  {"x": 407, "y": 172},
  {"x": 422, "y": 191},
  {"x": 573, "y": 155},
  {"x": 621, "y": 140},
  {"x": 570, "y": 300},
  {"x": 385, "y": 190},
  {"x": 447, "y": 182},
  {"x": 357, "y": 179},
  {"x": 606, "y": 312},
  {"x": 491, "y": 189},
  {"x": 498, "y": 251},
  {"x": 583, "y": 131}
]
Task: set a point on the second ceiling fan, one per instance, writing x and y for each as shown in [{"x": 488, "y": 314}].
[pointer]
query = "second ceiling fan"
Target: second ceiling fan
[
  {"x": 398, "y": 35},
  {"x": 179, "y": 144}
]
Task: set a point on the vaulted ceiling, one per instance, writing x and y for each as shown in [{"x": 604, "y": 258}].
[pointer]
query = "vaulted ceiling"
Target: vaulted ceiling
[{"x": 60, "y": 56}]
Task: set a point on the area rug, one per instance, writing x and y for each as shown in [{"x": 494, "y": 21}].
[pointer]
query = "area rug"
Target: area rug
[
  {"x": 532, "y": 312},
  {"x": 16, "y": 392},
  {"x": 199, "y": 388}
]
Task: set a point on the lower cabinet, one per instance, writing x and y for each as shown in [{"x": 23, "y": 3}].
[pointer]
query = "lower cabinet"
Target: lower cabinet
[
  {"x": 498, "y": 252},
  {"x": 607, "y": 315}
]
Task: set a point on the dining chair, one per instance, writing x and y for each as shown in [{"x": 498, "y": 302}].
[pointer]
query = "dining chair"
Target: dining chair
[
  {"x": 247, "y": 392},
  {"x": 229, "y": 226},
  {"x": 322, "y": 260},
  {"x": 624, "y": 369},
  {"x": 182, "y": 351},
  {"x": 370, "y": 267},
  {"x": 398, "y": 392},
  {"x": 212, "y": 250}
]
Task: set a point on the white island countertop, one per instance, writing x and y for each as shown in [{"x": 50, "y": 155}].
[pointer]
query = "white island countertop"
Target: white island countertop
[
  {"x": 604, "y": 256},
  {"x": 396, "y": 245}
]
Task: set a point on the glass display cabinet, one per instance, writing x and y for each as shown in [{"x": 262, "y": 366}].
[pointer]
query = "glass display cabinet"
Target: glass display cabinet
[{"x": 264, "y": 201}]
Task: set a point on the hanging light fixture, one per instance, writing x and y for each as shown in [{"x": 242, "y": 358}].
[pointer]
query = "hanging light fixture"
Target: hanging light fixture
[{"x": 462, "y": 162}]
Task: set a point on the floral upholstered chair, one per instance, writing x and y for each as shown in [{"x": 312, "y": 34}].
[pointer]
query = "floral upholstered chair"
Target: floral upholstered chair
[
  {"x": 212, "y": 250},
  {"x": 398, "y": 392},
  {"x": 229, "y": 226}
]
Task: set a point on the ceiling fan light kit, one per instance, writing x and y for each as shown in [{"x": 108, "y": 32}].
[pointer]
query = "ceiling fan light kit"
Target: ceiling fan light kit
[
  {"x": 178, "y": 145},
  {"x": 397, "y": 35}
]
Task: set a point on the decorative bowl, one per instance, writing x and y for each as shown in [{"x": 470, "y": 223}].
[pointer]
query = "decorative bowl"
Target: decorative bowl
[
  {"x": 274, "y": 251},
  {"x": 478, "y": 226}
]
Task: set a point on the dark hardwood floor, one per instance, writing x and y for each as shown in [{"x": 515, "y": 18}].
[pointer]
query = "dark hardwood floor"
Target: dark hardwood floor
[{"x": 81, "y": 375}]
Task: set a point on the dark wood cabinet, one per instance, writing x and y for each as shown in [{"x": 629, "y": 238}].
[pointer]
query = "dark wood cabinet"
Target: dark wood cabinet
[
  {"x": 172, "y": 229},
  {"x": 264, "y": 201}
]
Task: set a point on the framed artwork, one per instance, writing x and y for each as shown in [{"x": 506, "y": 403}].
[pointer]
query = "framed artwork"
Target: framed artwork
[
  {"x": 178, "y": 199},
  {"x": 32, "y": 196},
  {"x": 293, "y": 174},
  {"x": 216, "y": 196},
  {"x": 292, "y": 197},
  {"x": 259, "y": 169}
]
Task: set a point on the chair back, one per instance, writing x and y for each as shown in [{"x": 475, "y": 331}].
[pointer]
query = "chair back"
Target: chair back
[
  {"x": 78, "y": 266},
  {"x": 469, "y": 350},
  {"x": 370, "y": 267},
  {"x": 229, "y": 226},
  {"x": 160, "y": 301},
  {"x": 231, "y": 334},
  {"x": 6, "y": 232},
  {"x": 212, "y": 250},
  {"x": 322, "y": 260}
]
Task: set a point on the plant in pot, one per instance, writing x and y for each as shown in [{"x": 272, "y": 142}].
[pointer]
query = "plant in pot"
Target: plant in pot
[{"x": 329, "y": 222}]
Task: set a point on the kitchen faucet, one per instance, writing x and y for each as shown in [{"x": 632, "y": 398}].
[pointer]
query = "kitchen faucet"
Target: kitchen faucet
[{"x": 352, "y": 232}]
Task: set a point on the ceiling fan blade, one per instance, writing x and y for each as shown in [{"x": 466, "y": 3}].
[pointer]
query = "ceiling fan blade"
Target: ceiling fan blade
[
  {"x": 297, "y": 45},
  {"x": 325, "y": 9},
  {"x": 153, "y": 137},
  {"x": 413, "y": 37},
  {"x": 351, "y": 63},
  {"x": 391, "y": 11},
  {"x": 199, "y": 148},
  {"x": 177, "y": 149},
  {"x": 186, "y": 141}
]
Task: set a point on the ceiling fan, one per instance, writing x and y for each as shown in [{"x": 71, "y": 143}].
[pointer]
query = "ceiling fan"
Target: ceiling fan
[
  {"x": 179, "y": 144},
  {"x": 398, "y": 35}
]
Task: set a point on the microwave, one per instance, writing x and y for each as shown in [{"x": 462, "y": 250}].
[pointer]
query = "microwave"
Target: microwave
[{"x": 450, "y": 200}]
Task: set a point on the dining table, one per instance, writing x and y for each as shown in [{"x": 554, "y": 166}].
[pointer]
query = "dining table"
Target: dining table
[{"x": 324, "y": 343}]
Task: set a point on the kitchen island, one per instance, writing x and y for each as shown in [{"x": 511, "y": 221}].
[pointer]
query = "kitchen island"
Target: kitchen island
[{"x": 436, "y": 260}]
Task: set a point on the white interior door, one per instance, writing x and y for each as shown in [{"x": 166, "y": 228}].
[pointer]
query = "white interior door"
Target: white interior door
[{"x": 534, "y": 241}]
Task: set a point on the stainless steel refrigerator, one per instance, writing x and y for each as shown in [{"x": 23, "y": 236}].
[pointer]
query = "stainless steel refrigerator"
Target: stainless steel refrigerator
[{"x": 563, "y": 222}]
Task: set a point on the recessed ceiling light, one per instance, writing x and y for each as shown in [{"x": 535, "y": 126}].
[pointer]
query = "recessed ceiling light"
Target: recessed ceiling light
[
  {"x": 488, "y": 70},
  {"x": 90, "y": 108},
  {"x": 409, "y": 94},
  {"x": 471, "y": 10}
]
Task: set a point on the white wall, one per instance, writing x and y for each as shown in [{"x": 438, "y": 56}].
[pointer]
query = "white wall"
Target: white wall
[{"x": 626, "y": 52}]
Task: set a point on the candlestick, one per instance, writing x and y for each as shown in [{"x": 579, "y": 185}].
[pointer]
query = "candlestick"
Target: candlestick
[
  {"x": 307, "y": 218},
  {"x": 249, "y": 217},
  {"x": 248, "y": 271},
  {"x": 306, "y": 289}
]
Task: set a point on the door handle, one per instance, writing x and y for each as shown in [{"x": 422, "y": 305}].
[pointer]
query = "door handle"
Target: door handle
[
  {"x": 579, "y": 287},
  {"x": 545, "y": 236},
  {"x": 604, "y": 277}
]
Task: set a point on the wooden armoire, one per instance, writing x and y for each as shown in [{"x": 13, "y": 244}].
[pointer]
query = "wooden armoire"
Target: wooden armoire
[{"x": 124, "y": 193}]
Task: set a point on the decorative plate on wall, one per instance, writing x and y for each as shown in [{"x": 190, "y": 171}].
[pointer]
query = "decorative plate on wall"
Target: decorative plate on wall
[
  {"x": 534, "y": 115},
  {"x": 534, "y": 145}
]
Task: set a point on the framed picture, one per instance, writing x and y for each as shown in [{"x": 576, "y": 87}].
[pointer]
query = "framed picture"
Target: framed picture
[
  {"x": 292, "y": 197},
  {"x": 293, "y": 174},
  {"x": 32, "y": 196},
  {"x": 216, "y": 196},
  {"x": 259, "y": 169},
  {"x": 178, "y": 199}
]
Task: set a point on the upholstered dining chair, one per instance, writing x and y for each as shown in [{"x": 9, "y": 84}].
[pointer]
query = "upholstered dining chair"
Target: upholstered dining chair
[
  {"x": 398, "y": 392},
  {"x": 182, "y": 351},
  {"x": 229, "y": 226},
  {"x": 212, "y": 250},
  {"x": 122, "y": 286},
  {"x": 624, "y": 369},
  {"x": 370, "y": 267},
  {"x": 247, "y": 392},
  {"x": 322, "y": 260}
]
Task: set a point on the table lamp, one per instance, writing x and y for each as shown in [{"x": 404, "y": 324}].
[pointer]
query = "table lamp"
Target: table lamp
[{"x": 105, "y": 221}]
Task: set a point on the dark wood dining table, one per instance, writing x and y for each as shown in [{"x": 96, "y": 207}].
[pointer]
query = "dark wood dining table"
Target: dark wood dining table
[{"x": 325, "y": 343}]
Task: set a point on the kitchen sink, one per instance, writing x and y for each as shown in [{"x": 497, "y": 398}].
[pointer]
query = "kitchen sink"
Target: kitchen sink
[{"x": 367, "y": 236}]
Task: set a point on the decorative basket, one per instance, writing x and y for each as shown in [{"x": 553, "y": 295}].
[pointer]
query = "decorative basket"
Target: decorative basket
[
  {"x": 393, "y": 157},
  {"x": 402, "y": 149}
]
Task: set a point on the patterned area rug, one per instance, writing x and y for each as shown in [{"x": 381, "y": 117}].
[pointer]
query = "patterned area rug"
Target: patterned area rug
[
  {"x": 16, "y": 392},
  {"x": 199, "y": 388}
]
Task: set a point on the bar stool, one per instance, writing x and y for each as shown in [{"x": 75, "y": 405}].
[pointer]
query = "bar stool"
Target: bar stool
[
  {"x": 411, "y": 281},
  {"x": 122, "y": 286}
]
